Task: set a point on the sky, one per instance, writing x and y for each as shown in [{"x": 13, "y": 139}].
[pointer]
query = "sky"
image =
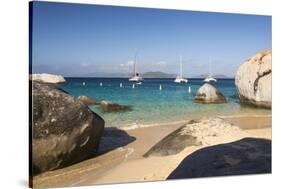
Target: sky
[{"x": 91, "y": 40}]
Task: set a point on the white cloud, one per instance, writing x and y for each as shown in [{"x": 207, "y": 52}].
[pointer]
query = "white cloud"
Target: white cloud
[
  {"x": 161, "y": 63},
  {"x": 84, "y": 65},
  {"x": 130, "y": 63}
]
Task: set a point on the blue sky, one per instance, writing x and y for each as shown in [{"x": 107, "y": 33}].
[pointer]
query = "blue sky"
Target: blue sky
[{"x": 91, "y": 40}]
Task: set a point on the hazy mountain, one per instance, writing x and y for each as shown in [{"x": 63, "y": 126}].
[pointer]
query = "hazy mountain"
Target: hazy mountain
[
  {"x": 151, "y": 74},
  {"x": 157, "y": 74},
  {"x": 218, "y": 76},
  {"x": 102, "y": 74}
]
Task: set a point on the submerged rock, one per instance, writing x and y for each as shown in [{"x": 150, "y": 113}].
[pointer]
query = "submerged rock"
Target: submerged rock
[
  {"x": 208, "y": 94},
  {"x": 47, "y": 78},
  {"x": 105, "y": 106},
  {"x": 113, "y": 107},
  {"x": 89, "y": 101},
  {"x": 253, "y": 80},
  {"x": 64, "y": 130}
]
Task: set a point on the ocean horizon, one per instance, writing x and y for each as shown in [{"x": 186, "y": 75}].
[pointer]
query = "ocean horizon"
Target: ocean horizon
[{"x": 152, "y": 106}]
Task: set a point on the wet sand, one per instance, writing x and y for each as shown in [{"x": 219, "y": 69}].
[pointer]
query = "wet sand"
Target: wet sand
[
  {"x": 127, "y": 164},
  {"x": 250, "y": 122}
]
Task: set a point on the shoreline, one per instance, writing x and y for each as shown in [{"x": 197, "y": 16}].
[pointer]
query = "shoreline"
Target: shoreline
[
  {"x": 184, "y": 121},
  {"x": 109, "y": 167}
]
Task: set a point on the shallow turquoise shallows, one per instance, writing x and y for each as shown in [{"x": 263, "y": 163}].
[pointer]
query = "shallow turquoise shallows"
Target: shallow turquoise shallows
[{"x": 150, "y": 105}]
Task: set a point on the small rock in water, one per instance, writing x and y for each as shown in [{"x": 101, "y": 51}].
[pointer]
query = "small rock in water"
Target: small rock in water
[{"x": 208, "y": 94}]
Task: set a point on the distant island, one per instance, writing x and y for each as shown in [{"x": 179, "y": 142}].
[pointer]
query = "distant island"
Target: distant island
[
  {"x": 158, "y": 74},
  {"x": 149, "y": 74},
  {"x": 218, "y": 76}
]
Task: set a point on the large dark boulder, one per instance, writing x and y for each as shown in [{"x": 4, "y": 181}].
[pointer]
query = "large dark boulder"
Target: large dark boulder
[{"x": 64, "y": 130}]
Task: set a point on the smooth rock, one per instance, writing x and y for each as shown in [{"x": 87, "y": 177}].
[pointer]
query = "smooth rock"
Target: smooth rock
[
  {"x": 208, "y": 94},
  {"x": 202, "y": 132},
  {"x": 64, "y": 130},
  {"x": 253, "y": 80},
  {"x": 173, "y": 143},
  {"x": 47, "y": 78}
]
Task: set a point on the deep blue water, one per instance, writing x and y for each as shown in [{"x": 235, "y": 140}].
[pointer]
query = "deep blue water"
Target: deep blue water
[{"x": 151, "y": 105}]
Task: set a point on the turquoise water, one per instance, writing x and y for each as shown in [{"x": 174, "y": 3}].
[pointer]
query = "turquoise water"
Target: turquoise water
[{"x": 153, "y": 106}]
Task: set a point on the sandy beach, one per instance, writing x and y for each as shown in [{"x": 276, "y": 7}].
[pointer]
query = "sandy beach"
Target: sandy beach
[
  {"x": 121, "y": 155},
  {"x": 130, "y": 94}
]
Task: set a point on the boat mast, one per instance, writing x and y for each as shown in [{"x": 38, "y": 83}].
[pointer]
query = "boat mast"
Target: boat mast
[
  {"x": 180, "y": 66},
  {"x": 210, "y": 68},
  {"x": 135, "y": 62}
]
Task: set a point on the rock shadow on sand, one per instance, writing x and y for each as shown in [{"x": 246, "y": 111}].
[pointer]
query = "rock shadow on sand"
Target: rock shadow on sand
[
  {"x": 113, "y": 138},
  {"x": 245, "y": 156}
]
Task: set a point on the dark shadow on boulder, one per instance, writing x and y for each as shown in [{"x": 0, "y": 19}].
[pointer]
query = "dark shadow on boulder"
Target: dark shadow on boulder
[
  {"x": 246, "y": 156},
  {"x": 113, "y": 138}
]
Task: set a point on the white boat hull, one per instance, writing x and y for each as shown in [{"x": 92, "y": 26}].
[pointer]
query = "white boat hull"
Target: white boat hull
[
  {"x": 210, "y": 79},
  {"x": 180, "y": 80},
  {"x": 136, "y": 79}
]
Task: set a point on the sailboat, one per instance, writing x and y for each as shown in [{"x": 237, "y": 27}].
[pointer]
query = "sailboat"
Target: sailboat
[
  {"x": 136, "y": 77},
  {"x": 209, "y": 78},
  {"x": 179, "y": 78}
]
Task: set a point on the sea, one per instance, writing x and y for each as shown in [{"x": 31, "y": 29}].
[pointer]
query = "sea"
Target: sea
[{"x": 152, "y": 106}]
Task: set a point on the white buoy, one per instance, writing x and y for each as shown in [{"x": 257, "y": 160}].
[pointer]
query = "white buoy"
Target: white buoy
[
  {"x": 189, "y": 89},
  {"x": 121, "y": 85},
  {"x": 84, "y": 83},
  {"x": 133, "y": 86},
  {"x": 101, "y": 84},
  {"x": 160, "y": 87}
]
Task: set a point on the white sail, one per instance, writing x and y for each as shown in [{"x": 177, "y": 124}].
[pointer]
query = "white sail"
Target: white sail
[
  {"x": 136, "y": 77},
  {"x": 181, "y": 66},
  {"x": 179, "y": 78},
  {"x": 210, "y": 78}
]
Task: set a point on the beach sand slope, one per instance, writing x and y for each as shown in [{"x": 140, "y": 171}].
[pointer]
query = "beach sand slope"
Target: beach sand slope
[{"x": 220, "y": 139}]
